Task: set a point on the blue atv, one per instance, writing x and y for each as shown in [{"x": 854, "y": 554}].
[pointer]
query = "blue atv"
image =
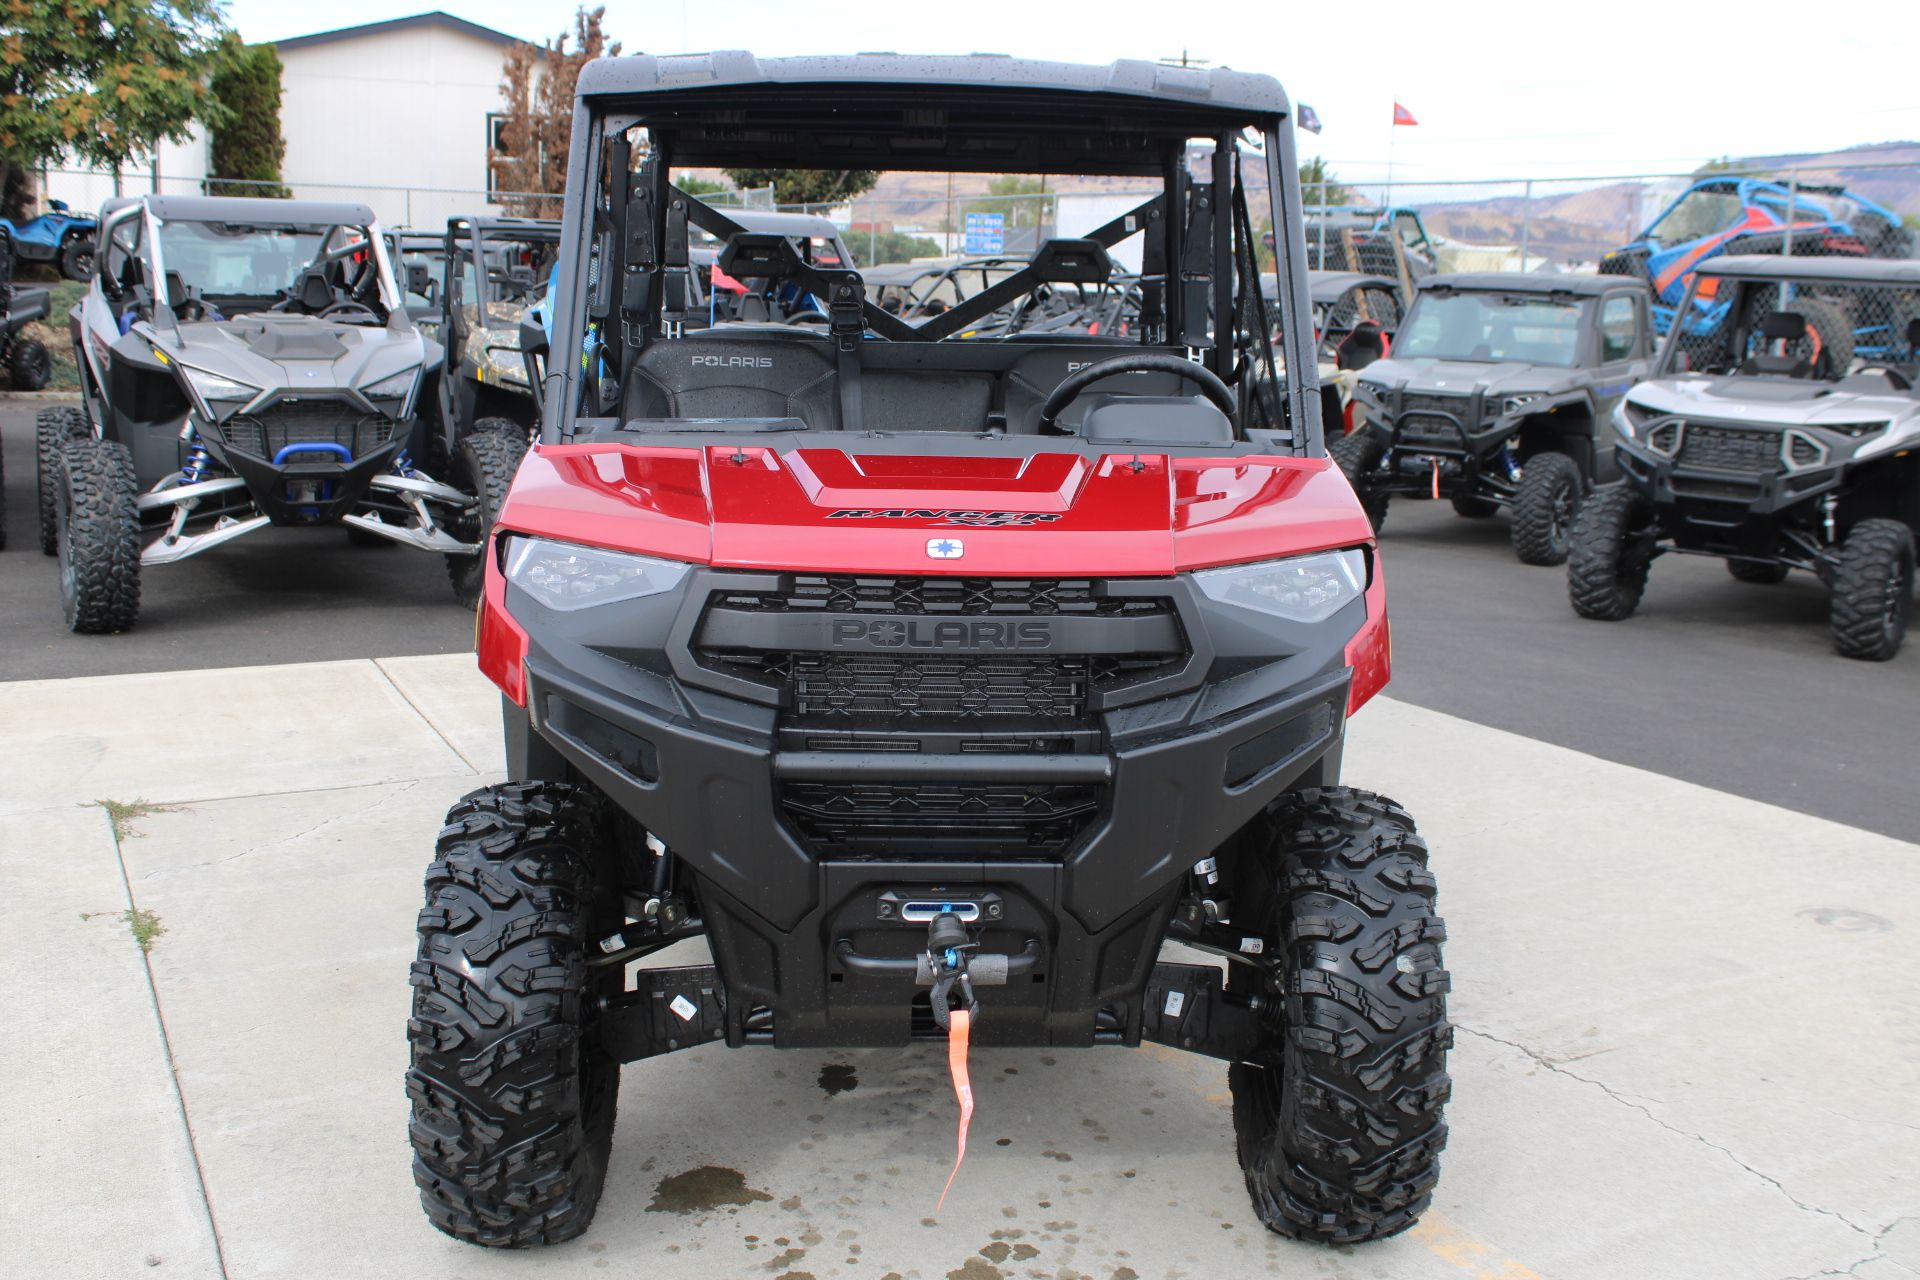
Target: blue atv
[
  {"x": 1719, "y": 216},
  {"x": 59, "y": 236}
]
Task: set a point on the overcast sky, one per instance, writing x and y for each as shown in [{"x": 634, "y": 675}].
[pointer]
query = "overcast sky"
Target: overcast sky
[{"x": 1541, "y": 90}]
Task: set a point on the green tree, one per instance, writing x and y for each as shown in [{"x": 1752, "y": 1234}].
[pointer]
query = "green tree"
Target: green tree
[
  {"x": 103, "y": 83},
  {"x": 700, "y": 186},
  {"x": 871, "y": 248},
  {"x": 247, "y": 147},
  {"x": 808, "y": 186},
  {"x": 1022, "y": 200},
  {"x": 1319, "y": 185}
]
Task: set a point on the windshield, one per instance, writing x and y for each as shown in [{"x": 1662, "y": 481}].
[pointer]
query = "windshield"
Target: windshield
[
  {"x": 1694, "y": 215},
  {"x": 518, "y": 275},
  {"x": 1490, "y": 328},
  {"x": 239, "y": 267},
  {"x": 230, "y": 260}
]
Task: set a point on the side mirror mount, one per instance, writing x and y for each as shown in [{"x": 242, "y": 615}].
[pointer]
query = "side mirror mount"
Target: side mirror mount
[{"x": 419, "y": 278}]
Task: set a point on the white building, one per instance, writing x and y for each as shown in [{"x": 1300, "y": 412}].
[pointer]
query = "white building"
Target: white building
[{"x": 399, "y": 114}]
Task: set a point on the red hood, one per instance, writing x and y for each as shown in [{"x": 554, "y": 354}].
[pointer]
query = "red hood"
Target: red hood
[{"x": 1046, "y": 514}]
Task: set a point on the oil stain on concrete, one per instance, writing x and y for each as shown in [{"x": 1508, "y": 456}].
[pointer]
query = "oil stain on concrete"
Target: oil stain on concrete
[
  {"x": 837, "y": 1078},
  {"x": 702, "y": 1190}
]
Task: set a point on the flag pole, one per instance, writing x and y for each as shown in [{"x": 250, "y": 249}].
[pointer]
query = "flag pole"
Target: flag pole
[{"x": 1393, "y": 136}]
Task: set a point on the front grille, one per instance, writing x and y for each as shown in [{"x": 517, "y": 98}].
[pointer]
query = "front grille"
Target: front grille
[
  {"x": 1421, "y": 402},
  {"x": 940, "y": 819},
  {"x": 973, "y": 687},
  {"x": 1421, "y": 421},
  {"x": 929, "y": 704},
  {"x": 1713, "y": 448},
  {"x": 960, "y": 597},
  {"x": 289, "y": 422}
]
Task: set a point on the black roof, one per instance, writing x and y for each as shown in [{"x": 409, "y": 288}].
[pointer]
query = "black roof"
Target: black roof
[
  {"x": 325, "y": 213},
  {"x": 1771, "y": 266},
  {"x": 1243, "y": 91},
  {"x": 436, "y": 18},
  {"x": 1584, "y": 283},
  {"x": 973, "y": 113}
]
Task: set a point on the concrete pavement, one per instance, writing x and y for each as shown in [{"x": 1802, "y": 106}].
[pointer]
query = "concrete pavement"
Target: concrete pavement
[{"x": 1689, "y": 1039}]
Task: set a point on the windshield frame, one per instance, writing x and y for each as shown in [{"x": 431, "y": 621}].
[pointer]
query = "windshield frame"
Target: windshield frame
[
  {"x": 1256, "y": 136},
  {"x": 373, "y": 237}
]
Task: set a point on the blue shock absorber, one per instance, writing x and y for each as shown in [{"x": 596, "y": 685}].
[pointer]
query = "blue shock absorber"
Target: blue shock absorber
[
  {"x": 194, "y": 470},
  {"x": 403, "y": 462}
]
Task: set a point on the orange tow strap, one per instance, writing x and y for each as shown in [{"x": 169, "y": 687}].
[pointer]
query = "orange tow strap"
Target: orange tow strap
[
  {"x": 1436, "y": 479},
  {"x": 962, "y": 1089}
]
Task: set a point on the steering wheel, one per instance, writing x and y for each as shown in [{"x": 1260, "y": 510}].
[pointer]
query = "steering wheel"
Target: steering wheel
[
  {"x": 1146, "y": 362},
  {"x": 331, "y": 312}
]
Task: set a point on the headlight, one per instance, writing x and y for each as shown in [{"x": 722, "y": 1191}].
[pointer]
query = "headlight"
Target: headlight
[
  {"x": 395, "y": 386},
  {"x": 1365, "y": 388},
  {"x": 1514, "y": 403},
  {"x": 211, "y": 386},
  {"x": 504, "y": 364},
  {"x": 565, "y": 576},
  {"x": 1302, "y": 589}
]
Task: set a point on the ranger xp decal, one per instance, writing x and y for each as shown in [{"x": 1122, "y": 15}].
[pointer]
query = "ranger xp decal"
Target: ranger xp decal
[{"x": 973, "y": 519}]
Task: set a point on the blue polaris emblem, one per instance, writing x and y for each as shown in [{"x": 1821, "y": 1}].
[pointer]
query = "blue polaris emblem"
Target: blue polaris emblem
[{"x": 945, "y": 548}]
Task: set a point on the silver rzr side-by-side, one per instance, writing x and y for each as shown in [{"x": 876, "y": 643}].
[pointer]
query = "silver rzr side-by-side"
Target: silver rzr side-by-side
[{"x": 247, "y": 363}]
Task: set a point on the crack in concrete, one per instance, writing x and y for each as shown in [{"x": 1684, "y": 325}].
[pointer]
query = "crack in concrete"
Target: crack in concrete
[
  {"x": 382, "y": 803},
  {"x": 1875, "y": 1255},
  {"x": 173, "y": 1070},
  {"x": 1628, "y": 1100}
]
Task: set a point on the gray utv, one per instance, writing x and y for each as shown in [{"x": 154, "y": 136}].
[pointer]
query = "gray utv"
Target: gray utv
[
  {"x": 246, "y": 363},
  {"x": 1496, "y": 394},
  {"x": 1788, "y": 440}
]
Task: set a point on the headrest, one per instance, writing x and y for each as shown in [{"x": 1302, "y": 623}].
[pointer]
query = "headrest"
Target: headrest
[
  {"x": 1069, "y": 261},
  {"x": 314, "y": 292},
  {"x": 1783, "y": 326},
  {"x": 176, "y": 290},
  {"x": 760, "y": 255}
]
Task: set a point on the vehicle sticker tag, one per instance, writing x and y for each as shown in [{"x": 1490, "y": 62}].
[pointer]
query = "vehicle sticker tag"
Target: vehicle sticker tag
[
  {"x": 1253, "y": 946},
  {"x": 683, "y": 1008},
  {"x": 1176, "y": 1001}
]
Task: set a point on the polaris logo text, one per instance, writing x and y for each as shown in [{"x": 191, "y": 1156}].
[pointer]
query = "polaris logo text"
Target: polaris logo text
[
  {"x": 921, "y": 633},
  {"x": 732, "y": 362},
  {"x": 969, "y": 519}
]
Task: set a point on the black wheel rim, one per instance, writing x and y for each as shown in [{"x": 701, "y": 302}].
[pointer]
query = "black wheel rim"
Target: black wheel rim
[
  {"x": 1560, "y": 516},
  {"x": 1898, "y": 599}
]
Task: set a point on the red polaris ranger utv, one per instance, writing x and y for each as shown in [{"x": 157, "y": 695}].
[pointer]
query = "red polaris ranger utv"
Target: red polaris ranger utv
[{"x": 939, "y": 681}]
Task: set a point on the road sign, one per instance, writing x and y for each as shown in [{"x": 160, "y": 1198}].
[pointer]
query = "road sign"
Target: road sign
[{"x": 986, "y": 233}]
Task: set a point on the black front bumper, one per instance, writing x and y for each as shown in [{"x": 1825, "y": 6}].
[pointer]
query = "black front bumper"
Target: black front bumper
[
  {"x": 1724, "y": 511},
  {"x": 310, "y": 461},
  {"x": 1430, "y": 447},
  {"x": 661, "y": 703}
]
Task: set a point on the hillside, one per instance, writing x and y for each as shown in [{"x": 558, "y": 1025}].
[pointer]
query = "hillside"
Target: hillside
[{"x": 1578, "y": 226}]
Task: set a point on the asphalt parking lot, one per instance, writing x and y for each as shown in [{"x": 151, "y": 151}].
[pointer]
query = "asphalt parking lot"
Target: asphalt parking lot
[
  {"x": 1722, "y": 683},
  {"x": 1674, "y": 854}
]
